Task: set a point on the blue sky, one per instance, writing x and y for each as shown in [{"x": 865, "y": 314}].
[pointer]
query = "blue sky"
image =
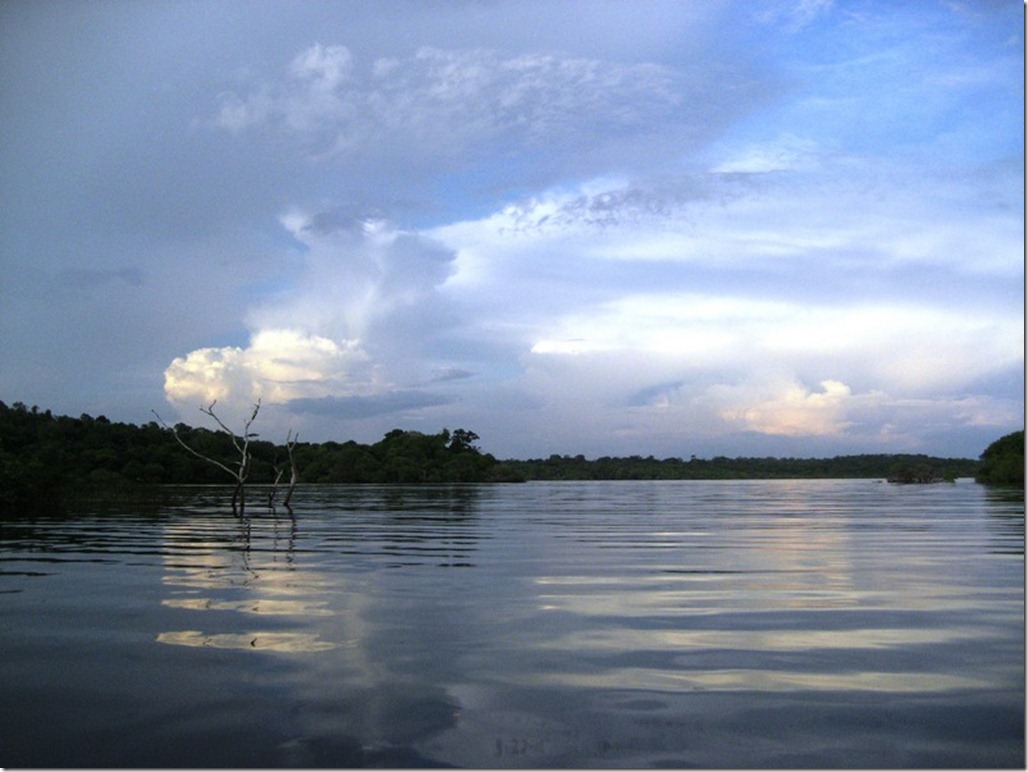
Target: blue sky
[{"x": 668, "y": 228}]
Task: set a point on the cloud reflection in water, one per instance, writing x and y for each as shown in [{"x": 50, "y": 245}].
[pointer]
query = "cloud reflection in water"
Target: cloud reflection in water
[
  {"x": 249, "y": 569},
  {"x": 264, "y": 641}
]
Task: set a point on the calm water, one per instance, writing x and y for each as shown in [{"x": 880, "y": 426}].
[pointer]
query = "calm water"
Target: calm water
[{"x": 638, "y": 624}]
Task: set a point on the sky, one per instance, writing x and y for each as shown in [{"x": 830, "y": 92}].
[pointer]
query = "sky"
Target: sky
[{"x": 782, "y": 228}]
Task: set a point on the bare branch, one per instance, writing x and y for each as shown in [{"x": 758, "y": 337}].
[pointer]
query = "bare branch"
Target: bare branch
[
  {"x": 294, "y": 475},
  {"x": 241, "y": 444},
  {"x": 242, "y": 449},
  {"x": 198, "y": 454}
]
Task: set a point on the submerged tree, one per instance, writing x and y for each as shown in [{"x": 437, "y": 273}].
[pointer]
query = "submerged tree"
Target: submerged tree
[
  {"x": 239, "y": 470},
  {"x": 294, "y": 476}
]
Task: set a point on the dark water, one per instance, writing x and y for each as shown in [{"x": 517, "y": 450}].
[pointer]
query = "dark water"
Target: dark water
[{"x": 630, "y": 624}]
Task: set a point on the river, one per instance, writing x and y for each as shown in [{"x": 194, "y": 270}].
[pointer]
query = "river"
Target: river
[{"x": 816, "y": 623}]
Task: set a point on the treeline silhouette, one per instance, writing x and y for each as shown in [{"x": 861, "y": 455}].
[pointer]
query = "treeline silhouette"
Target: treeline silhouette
[
  {"x": 892, "y": 466},
  {"x": 45, "y": 456},
  {"x": 1003, "y": 461}
]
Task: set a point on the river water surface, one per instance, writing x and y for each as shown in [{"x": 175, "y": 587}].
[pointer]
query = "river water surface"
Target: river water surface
[{"x": 583, "y": 624}]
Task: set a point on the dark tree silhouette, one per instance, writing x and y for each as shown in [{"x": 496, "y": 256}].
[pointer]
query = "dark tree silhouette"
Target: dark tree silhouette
[{"x": 1003, "y": 461}]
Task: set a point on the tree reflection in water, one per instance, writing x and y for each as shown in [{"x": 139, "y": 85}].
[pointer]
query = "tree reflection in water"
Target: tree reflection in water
[{"x": 248, "y": 586}]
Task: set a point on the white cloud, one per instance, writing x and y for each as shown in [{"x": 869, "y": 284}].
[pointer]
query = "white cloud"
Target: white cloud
[
  {"x": 235, "y": 114},
  {"x": 803, "y": 222},
  {"x": 746, "y": 281},
  {"x": 725, "y": 347},
  {"x": 350, "y": 327},
  {"x": 793, "y": 15},
  {"x": 689, "y": 326},
  {"x": 782, "y": 306},
  {"x": 277, "y": 366},
  {"x": 792, "y": 410},
  {"x": 324, "y": 68},
  {"x": 786, "y": 153},
  {"x": 439, "y": 104},
  {"x": 355, "y": 274}
]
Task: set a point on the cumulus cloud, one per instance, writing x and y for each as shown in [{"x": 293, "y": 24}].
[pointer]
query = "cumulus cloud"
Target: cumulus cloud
[
  {"x": 277, "y": 366},
  {"x": 796, "y": 411},
  {"x": 725, "y": 304},
  {"x": 355, "y": 273},
  {"x": 346, "y": 334},
  {"x": 716, "y": 354}
]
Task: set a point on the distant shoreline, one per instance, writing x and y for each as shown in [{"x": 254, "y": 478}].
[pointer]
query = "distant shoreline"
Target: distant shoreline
[{"x": 45, "y": 457}]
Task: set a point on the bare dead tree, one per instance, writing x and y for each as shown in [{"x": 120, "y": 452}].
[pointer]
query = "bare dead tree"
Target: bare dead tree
[
  {"x": 274, "y": 487},
  {"x": 240, "y": 470},
  {"x": 294, "y": 476}
]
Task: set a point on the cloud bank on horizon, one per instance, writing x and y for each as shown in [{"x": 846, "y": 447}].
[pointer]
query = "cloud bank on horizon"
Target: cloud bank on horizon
[{"x": 789, "y": 228}]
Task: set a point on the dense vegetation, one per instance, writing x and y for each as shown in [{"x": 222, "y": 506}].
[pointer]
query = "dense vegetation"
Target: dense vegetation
[
  {"x": 721, "y": 468},
  {"x": 1003, "y": 461},
  {"x": 43, "y": 456}
]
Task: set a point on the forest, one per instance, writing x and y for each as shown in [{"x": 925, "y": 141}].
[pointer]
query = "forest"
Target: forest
[
  {"x": 895, "y": 467},
  {"x": 44, "y": 456},
  {"x": 1003, "y": 461}
]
